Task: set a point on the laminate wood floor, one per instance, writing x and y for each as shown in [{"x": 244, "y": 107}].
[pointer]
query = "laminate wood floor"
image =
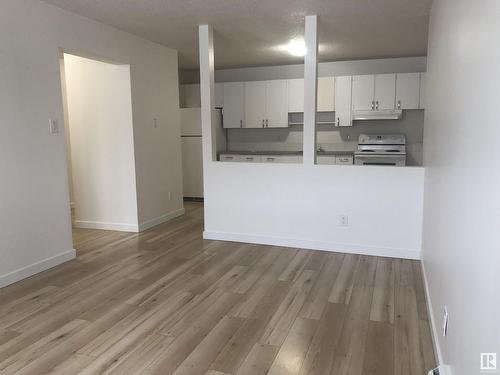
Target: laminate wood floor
[{"x": 167, "y": 302}]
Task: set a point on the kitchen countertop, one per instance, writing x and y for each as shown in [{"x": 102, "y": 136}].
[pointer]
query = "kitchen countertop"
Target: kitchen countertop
[{"x": 285, "y": 153}]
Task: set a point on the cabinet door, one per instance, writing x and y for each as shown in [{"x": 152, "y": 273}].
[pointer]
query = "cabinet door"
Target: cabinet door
[
  {"x": 219, "y": 95},
  {"x": 407, "y": 90},
  {"x": 385, "y": 91},
  {"x": 326, "y": 88},
  {"x": 422, "y": 91},
  {"x": 276, "y": 104},
  {"x": 363, "y": 90},
  {"x": 325, "y": 159},
  {"x": 255, "y": 104},
  {"x": 234, "y": 105},
  {"x": 296, "y": 95},
  {"x": 343, "y": 94}
]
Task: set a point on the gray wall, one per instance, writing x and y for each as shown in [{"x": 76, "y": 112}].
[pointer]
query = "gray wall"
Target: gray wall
[
  {"x": 337, "y": 68},
  {"x": 461, "y": 248}
]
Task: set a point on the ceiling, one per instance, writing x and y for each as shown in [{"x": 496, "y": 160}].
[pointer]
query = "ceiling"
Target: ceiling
[{"x": 247, "y": 32}]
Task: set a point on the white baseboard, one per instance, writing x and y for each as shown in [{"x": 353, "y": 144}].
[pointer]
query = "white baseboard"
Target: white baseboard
[
  {"x": 161, "y": 219},
  {"x": 37, "y": 267},
  {"x": 313, "y": 245},
  {"x": 434, "y": 327},
  {"x": 106, "y": 226}
]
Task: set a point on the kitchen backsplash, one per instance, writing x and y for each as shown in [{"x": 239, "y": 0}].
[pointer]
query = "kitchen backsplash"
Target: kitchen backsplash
[{"x": 331, "y": 138}]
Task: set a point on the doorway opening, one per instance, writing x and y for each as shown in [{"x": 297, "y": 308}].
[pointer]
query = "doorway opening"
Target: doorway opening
[{"x": 100, "y": 145}]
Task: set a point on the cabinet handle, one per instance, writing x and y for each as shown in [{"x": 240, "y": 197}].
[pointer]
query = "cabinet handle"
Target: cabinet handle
[
  {"x": 249, "y": 158},
  {"x": 267, "y": 123},
  {"x": 241, "y": 123},
  {"x": 338, "y": 121},
  {"x": 373, "y": 105},
  {"x": 270, "y": 159},
  {"x": 399, "y": 104}
]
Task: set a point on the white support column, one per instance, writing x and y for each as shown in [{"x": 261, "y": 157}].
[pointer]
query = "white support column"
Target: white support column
[
  {"x": 310, "y": 89},
  {"x": 206, "y": 45}
]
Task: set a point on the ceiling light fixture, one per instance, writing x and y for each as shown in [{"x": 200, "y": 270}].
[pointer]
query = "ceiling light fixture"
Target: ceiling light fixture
[{"x": 296, "y": 47}]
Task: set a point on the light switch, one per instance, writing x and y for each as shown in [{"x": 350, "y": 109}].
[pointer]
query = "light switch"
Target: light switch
[{"x": 53, "y": 126}]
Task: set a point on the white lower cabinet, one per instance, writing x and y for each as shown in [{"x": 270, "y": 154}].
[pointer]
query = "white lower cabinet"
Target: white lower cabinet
[
  {"x": 325, "y": 159},
  {"x": 241, "y": 158},
  {"x": 251, "y": 158},
  {"x": 344, "y": 160},
  {"x": 335, "y": 159},
  {"x": 261, "y": 158},
  {"x": 227, "y": 157},
  {"x": 281, "y": 158}
]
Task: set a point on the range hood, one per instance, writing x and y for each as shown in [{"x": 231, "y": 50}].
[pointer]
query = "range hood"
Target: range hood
[{"x": 389, "y": 114}]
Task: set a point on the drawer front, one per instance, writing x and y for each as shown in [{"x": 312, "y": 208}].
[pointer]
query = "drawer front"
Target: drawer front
[
  {"x": 344, "y": 160},
  {"x": 281, "y": 159},
  {"x": 250, "y": 158},
  {"x": 271, "y": 159},
  {"x": 229, "y": 157},
  {"x": 324, "y": 159}
]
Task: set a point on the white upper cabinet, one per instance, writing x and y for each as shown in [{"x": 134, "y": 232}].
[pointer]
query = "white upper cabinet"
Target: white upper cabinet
[
  {"x": 219, "y": 95},
  {"x": 343, "y": 95},
  {"x": 276, "y": 104},
  {"x": 363, "y": 91},
  {"x": 234, "y": 104},
  {"x": 296, "y": 95},
  {"x": 373, "y": 92},
  {"x": 255, "y": 104},
  {"x": 326, "y": 94},
  {"x": 326, "y": 89},
  {"x": 422, "y": 91},
  {"x": 407, "y": 90},
  {"x": 385, "y": 91}
]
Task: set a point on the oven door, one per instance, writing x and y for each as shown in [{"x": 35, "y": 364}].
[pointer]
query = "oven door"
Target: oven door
[{"x": 380, "y": 159}]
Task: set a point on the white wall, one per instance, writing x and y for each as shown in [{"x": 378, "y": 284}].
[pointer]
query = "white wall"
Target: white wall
[
  {"x": 462, "y": 200},
  {"x": 34, "y": 204},
  {"x": 299, "y": 205},
  {"x": 102, "y": 144}
]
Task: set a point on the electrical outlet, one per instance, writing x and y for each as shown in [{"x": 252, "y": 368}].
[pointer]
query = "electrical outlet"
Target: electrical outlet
[
  {"x": 53, "y": 126},
  {"x": 445, "y": 321},
  {"x": 343, "y": 220}
]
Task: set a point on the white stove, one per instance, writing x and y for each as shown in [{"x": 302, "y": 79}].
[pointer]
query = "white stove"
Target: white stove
[{"x": 387, "y": 149}]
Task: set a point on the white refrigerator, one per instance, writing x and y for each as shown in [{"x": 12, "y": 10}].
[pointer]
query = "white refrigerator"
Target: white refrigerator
[{"x": 192, "y": 158}]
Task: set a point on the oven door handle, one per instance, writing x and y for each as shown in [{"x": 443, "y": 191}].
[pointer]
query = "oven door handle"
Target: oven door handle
[{"x": 373, "y": 156}]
